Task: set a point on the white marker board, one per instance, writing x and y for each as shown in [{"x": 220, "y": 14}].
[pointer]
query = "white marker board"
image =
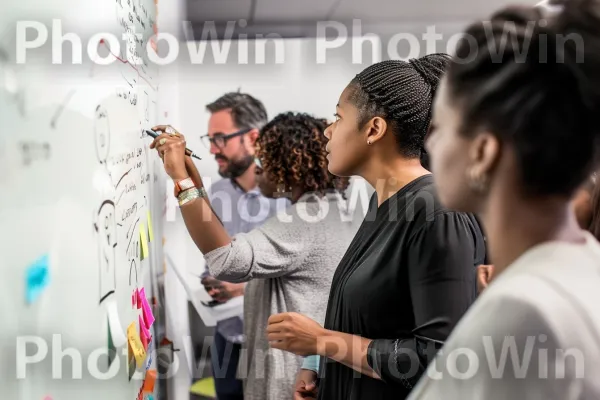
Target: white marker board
[{"x": 77, "y": 181}]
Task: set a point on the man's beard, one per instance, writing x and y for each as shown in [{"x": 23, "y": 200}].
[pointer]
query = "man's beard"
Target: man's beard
[{"x": 235, "y": 168}]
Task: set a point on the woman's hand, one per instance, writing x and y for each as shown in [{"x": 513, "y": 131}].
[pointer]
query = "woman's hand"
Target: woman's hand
[
  {"x": 484, "y": 276},
  {"x": 295, "y": 333},
  {"x": 306, "y": 385},
  {"x": 171, "y": 148}
]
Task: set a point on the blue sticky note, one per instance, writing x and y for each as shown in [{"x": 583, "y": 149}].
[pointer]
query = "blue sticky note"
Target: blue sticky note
[
  {"x": 37, "y": 278},
  {"x": 148, "y": 397}
]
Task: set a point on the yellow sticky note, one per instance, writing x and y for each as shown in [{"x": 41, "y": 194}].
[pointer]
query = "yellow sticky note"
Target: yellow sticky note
[
  {"x": 143, "y": 241},
  {"x": 150, "y": 230},
  {"x": 136, "y": 345}
]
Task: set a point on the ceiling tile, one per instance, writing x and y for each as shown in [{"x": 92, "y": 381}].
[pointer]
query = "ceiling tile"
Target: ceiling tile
[
  {"x": 292, "y": 10},
  {"x": 218, "y": 10},
  {"x": 421, "y": 10}
]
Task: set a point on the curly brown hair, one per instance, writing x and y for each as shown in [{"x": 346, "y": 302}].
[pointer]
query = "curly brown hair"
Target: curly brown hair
[{"x": 291, "y": 148}]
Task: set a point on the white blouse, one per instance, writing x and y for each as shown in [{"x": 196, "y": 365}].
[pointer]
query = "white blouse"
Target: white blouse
[{"x": 534, "y": 333}]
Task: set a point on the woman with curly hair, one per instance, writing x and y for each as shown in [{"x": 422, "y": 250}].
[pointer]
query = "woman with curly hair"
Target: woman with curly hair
[
  {"x": 293, "y": 163},
  {"x": 288, "y": 262}
]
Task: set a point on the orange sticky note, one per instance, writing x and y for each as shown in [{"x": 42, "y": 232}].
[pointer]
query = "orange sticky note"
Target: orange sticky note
[
  {"x": 136, "y": 345},
  {"x": 144, "y": 241},
  {"x": 150, "y": 230},
  {"x": 149, "y": 381}
]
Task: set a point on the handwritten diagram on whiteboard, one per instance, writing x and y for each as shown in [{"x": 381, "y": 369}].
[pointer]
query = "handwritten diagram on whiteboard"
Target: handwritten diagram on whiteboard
[{"x": 95, "y": 210}]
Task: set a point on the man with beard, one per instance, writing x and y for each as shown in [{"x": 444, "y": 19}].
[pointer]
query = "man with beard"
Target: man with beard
[{"x": 234, "y": 125}]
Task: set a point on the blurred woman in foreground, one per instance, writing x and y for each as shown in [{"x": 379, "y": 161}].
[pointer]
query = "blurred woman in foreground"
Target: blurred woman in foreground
[{"x": 513, "y": 139}]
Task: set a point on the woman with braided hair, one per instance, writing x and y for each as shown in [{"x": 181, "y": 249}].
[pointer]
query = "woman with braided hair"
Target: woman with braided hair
[
  {"x": 409, "y": 273},
  {"x": 289, "y": 261}
]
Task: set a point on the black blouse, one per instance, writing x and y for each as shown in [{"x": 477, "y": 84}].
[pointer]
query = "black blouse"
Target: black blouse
[{"x": 405, "y": 281}]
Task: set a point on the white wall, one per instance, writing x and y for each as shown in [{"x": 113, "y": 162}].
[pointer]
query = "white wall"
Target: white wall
[{"x": 286, "y": 87}]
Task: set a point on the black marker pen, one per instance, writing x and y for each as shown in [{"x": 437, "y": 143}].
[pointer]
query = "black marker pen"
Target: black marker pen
[{"x": 188, "y": 152}]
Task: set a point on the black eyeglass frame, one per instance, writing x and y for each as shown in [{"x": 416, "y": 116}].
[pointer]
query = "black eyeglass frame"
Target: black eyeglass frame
[{"x": 222, "y": 137}]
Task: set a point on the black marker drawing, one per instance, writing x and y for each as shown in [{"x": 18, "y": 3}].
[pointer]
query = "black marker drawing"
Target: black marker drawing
[
  {"x": 61, "y": 108},
  {"x": 132, "y": 231},
  {"x": 133, "y": 267},
  {"x": 102, "y": 134},
  {"x": 106, "y": 229},
  {"x": 121, "y": 179},
  {"x": 147, "y": 106}
]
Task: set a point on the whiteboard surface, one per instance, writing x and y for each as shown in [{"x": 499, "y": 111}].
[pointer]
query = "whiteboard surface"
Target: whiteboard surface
[{"x": 78, "y": 182}]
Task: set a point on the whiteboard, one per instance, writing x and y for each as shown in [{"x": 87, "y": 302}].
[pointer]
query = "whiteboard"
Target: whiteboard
[{"x": 77, "y": 184}]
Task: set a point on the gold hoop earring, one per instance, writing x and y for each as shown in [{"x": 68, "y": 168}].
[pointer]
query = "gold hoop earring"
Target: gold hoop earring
[{"x": 478, "y": 181}]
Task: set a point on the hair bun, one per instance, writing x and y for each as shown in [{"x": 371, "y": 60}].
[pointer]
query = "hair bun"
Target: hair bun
[{"x": 431, "y": 68}]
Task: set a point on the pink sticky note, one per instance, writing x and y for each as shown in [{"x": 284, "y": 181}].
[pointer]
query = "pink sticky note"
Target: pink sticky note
[
  {"x": 139, "y": 298},
  {"x": 144, "y": 340},
  {"x": 144, "y": 334},
  {"x": 146, "y": 310},
  {"x": 143, "y": 328}
]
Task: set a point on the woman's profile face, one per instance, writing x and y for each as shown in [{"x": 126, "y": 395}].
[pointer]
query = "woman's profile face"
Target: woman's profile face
[
  {"x": 448, "y": 150},
  {"x": 264, "y": 180},
  {"x": 347, "y": 146}
]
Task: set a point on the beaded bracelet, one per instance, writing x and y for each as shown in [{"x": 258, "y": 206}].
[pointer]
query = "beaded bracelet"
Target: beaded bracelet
[{"x": 188, "y": 195}]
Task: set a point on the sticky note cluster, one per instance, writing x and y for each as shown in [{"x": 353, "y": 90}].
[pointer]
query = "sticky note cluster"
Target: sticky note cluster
[
  {"x": 139, "y": 342},
  {"x": 37, "y": 278},
  {"x": 146, "y": 235},
  {"x": 146, "y": 319}
]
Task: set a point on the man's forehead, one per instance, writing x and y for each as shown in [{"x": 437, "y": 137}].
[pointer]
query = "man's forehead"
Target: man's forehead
[{"x": 221, "y": 122}]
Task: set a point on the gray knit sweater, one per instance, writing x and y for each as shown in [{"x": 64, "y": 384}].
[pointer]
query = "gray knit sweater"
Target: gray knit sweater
[{"x": 288, "y": 263}]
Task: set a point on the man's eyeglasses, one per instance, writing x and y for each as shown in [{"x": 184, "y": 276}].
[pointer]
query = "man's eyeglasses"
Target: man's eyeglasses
[{"x": 220, "y": 139}]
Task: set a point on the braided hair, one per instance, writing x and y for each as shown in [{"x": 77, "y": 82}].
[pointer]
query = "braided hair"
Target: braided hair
[
  {"x": 537, "y": 94},
  {"x": 291, "y": 148},
  {"x": 402, "y": 93}
]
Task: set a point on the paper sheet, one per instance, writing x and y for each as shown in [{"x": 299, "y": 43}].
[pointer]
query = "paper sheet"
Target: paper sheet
[
  {"x": 202, "y": 311},
  {"x": 209, "y": 316}
]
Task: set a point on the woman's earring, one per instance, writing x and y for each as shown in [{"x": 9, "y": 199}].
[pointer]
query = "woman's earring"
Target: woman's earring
[
  {"x": 369, "y": 142},
  {"x": 478, "y": 181}
]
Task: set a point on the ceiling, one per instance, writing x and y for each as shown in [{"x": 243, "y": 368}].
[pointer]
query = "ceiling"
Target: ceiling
[{"x": 298, "y": 18}]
